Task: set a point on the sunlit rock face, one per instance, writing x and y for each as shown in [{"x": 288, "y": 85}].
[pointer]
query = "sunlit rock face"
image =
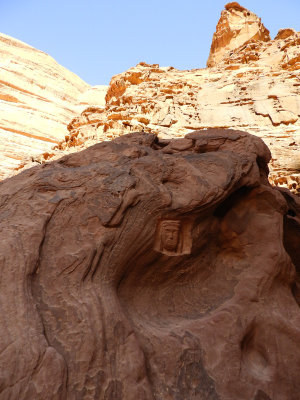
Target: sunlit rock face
[
  {"x": 256, "y": 87},
  {"x": 236, "y": 26},
  {"x": 38, "y": 98},
  {"x": 151, "y": 269}
]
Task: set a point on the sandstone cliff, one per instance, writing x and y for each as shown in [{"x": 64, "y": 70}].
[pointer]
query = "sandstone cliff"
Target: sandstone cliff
[
  {"x": 256, "y": 88},
  {"x": 38, "y": 98},
  {"x": 144, "y": 269}
]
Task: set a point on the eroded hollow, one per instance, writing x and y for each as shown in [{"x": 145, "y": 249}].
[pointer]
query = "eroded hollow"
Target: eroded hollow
[
  {"x": 292, "y": 246},
  {"x": 160, "y": 288},
  {"x": 163, "y": 295},
  {"x": 291, "y": 242}
]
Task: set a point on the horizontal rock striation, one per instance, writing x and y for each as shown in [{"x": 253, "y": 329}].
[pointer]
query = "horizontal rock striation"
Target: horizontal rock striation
[
  {"x": 38, "y": 98},
  {"x": 151, "y": 269}
]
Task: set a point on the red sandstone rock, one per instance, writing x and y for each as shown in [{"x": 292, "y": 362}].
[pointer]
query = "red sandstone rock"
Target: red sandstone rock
[{"x": 147, "y": 269}]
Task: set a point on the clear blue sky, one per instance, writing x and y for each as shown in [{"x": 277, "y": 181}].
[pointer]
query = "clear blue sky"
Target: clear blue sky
[{"x": 97, "y": 39}]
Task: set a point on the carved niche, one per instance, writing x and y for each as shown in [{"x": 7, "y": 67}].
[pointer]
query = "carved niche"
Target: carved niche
[{"x": 173, "y": 237}]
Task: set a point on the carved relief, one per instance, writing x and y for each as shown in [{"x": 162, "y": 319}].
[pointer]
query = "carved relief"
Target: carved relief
[{"x": 173, "y": 237}]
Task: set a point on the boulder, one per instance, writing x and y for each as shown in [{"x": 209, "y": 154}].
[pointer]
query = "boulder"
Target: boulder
[{"x": 151, "y": 269}]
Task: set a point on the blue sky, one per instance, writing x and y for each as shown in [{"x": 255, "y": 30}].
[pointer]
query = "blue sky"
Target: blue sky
[{"x": 97, "y": 39}]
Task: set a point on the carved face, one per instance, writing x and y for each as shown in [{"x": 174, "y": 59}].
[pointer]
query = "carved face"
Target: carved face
[{"x": 170, "y": 235}]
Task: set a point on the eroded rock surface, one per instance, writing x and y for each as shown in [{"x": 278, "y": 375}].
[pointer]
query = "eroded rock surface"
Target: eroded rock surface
[{"x": 151, "y": 269}]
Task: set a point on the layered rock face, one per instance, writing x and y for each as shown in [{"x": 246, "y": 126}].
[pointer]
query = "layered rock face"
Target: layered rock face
[
  {"x": 151, "y": 269},
  {"x": 236, "y": 26},
  {"x": 38, "y": 98},
  {"x": 257, "y": 87}
]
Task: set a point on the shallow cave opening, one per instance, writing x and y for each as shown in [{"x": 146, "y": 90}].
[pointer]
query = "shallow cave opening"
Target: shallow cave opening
[
  {"x": 231, "y": 201},
  {"x": 291, "y": 241},
  {"x": 291, "y": 230}
]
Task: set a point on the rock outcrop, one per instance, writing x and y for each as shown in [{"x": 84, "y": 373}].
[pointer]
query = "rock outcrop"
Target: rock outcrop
[
  {"x": 38, "y": 98},
  {"x": 256, "y": 87},
  {"x": 236, "y": 26},
  {"x": 151, "y": 269}
]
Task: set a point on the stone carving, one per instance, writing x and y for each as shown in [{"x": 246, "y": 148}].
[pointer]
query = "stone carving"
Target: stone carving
[
  {"x": 173, "y": 237},
  {"x": 170, "y": 232}
]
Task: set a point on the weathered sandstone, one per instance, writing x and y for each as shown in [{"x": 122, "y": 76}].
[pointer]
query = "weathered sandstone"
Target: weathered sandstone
[
  {"x": 151, "y": 269},
  {"x": 257, "y": 88},
  {"x": 38, "y": 98},
  {"x": 236, "y": 26}
]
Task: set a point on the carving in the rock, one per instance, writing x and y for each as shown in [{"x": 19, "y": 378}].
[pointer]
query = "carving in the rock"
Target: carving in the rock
[
  {"x": 170, "y": 232},
  {"x": 169, "y": 237},
  {"x": 173, "y": 237}
]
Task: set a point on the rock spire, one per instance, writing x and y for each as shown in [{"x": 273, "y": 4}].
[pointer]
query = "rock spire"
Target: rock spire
[{"x": 236, "y": 26}]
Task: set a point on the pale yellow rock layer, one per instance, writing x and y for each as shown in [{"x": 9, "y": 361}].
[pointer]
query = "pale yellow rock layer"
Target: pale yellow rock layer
[{"x": 38, "y": 98}]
